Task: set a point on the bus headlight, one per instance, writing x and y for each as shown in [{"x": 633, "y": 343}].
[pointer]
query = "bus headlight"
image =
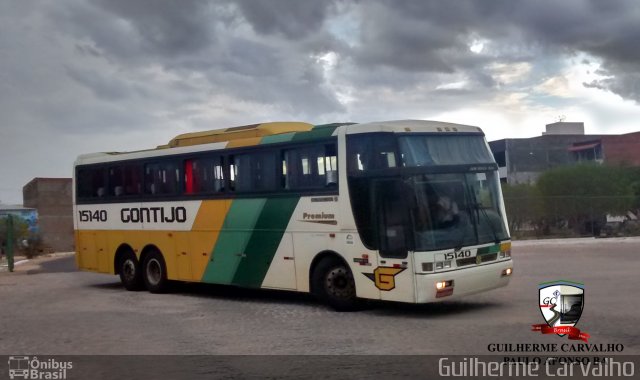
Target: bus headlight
[
  {"x": 444, "y": 284},
  {"x": 444, "y": 288}
]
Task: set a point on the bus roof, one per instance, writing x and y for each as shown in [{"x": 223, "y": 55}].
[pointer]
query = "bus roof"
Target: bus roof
[
  {"x": 237, "y": 133},
  {"x": 418, "y": 126},
  {"x": 276, "y": 132}
]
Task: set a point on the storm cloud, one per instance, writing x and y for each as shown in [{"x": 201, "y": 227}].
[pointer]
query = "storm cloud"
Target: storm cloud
[{"x": 102, "y": 75}]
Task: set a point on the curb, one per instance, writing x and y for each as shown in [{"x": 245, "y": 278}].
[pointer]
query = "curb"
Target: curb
[{"x": 32, "y": 266}]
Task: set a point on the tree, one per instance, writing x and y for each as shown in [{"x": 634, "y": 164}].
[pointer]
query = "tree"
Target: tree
[
  {"x": 584, "y": 194},
  {"x": 20, "y": 233},
  {"x": 524, "y": 206}
]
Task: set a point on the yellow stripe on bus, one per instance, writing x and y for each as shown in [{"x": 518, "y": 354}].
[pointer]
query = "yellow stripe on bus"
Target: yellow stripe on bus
[{"x": 186, "y": 253}]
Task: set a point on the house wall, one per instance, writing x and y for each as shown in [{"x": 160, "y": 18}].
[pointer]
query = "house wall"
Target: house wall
[{"x": 52, "y": 197}]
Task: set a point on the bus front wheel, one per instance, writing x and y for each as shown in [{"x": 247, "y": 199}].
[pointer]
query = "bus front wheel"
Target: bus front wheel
[
  {"x": 333, "y": 284},
  {"x": 129, "y": 271},
  {"x": 154, "y": 272}
]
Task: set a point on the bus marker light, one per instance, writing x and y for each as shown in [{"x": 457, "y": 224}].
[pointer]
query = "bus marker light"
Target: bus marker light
[
  {"x": 507, "y": 272},
  {"x": 332, "y": 235},
  {"x": 396, "y": 266},
  {"x": 439, "y": 265},
  {"x": 427, "y": 267},
  {"x": 447, "y": 264}
]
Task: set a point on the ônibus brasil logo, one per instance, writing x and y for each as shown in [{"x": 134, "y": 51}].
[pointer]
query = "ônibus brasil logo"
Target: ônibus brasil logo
[
  {"x": 26, "y": 367},
  {"x": 561, "y": 304}
]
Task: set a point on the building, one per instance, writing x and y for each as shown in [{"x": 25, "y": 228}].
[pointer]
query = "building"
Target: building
[
  {"x": 522, "y": 160},
  {"x": 564, "y": 128},
  {"x": 615, "y": 149},
  {"x": 52, "y": 198}
]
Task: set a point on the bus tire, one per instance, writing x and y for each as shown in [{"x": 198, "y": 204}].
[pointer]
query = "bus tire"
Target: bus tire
[
  {"x": 334, "y": 285},
  {"x": 130, "y": 272},
  {"x": 154, "y": 272}
]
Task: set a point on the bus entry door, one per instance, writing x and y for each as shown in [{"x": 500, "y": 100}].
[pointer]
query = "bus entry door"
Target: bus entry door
[{"x": 394, "y": 275}]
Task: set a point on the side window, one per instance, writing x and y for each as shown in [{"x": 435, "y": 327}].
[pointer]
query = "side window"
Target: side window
[
  {"x": 253, "y": 172},
  {"x": 91, "y": 182},
  {"x": 204, "y": 175},
  {"x": 133, "y": 179},
  {"x": 116, "y": 181},
  {"x": 371, "y": 152},
  {"x": 310, "y": 167},
  {"x": 328, "y": 165},
  {"x": 161, "y": 178},
  {"x": 125, "y": 180}
]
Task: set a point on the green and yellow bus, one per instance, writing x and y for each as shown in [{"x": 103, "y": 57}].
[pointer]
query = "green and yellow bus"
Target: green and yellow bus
[{"x": 407, "y": 211}]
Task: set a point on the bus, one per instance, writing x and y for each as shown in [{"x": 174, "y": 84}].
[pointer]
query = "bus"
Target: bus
[{"x": 408, "y": 211}]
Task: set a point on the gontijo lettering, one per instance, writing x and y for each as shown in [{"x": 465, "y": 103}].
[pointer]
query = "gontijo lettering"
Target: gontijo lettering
[{"x": 153, "y": 215}]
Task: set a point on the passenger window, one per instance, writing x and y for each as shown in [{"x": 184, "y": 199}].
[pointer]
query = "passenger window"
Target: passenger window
[
  {"x": 254, "y": 172},
  {"x": 91, "y": 182},
  {"x": 162, "y": 178},
  {"x": 132, "y": 179},
  {"x": 204, "y": 175},
  {"x": 116, "y": 181},
  {"x": 312, "y": 167}
]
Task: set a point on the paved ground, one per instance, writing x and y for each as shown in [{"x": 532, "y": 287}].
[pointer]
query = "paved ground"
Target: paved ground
[{"x": 47, "y": 307}]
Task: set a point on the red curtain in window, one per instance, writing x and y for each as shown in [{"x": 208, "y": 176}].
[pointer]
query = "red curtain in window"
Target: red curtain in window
[{"x": 188, "y": 176}]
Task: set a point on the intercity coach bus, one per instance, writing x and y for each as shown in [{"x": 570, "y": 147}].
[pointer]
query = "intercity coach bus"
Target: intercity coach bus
[{"x": 407, "y": 211}]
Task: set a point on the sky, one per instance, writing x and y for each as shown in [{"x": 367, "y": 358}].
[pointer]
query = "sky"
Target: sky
[{"x": 82, "y": 76}]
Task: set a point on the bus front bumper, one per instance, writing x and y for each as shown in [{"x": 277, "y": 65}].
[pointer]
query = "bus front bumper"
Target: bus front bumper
[{"x": 462, "y": 282}]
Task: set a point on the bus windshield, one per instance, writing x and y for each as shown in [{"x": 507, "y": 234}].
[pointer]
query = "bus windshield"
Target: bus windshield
[
  {"x": 449, "y": 189},
  {"x": 455, "y": 210}
]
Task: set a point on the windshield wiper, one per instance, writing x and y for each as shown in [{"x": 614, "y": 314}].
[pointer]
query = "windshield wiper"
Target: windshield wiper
[{"x": 478, "y": 207}]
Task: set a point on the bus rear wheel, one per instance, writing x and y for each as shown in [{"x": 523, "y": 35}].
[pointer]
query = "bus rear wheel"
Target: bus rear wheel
[
  {"x": 130, "y": 272},
  {"x": 154, "y": 272},
  {"x": 333, "y": 284}
]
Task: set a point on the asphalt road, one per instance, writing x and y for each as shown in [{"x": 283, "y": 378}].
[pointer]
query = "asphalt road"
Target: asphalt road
[{"x": 58, "y": 310}]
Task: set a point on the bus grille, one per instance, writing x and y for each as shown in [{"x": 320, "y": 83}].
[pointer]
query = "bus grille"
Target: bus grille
[
  {"x": 474, "y": 260},
  {"x": 466, "y": 261},
  {"x": 488, "y": 257}
]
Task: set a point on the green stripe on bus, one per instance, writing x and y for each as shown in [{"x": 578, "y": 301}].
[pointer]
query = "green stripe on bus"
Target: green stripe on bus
[
  {"x": 284, "y": 137},
  {"x": 235, "y": 234},
  {"x": 489, "y": 249},
  {"x": 264, "y": 241},
  {"x": 318, "y": 132}
]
